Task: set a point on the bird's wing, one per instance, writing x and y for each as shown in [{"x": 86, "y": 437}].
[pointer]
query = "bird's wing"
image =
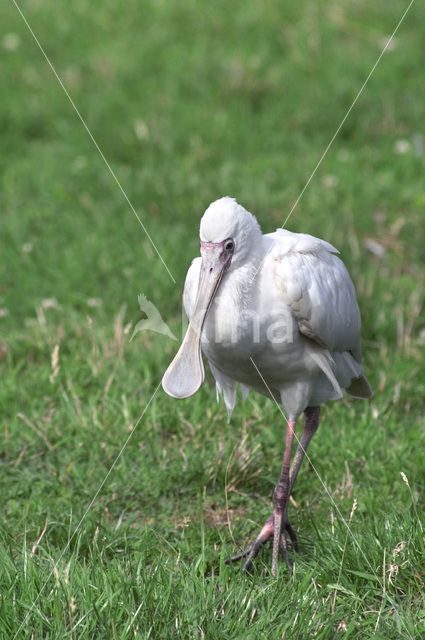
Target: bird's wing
[
  {"x": 317, "y": 288},
  {"x": 191, "y": 286}
]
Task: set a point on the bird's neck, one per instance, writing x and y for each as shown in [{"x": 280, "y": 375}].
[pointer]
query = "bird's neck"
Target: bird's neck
[{"x": 239, "y": 281}]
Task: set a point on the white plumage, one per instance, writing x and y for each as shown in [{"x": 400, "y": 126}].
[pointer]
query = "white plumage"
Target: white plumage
[
  {"x": 293, "y": 285},
  {"x": 276, "y": 313}
]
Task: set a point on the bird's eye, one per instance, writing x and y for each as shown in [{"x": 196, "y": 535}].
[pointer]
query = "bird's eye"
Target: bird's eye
[{"x": 230, "y": 245}]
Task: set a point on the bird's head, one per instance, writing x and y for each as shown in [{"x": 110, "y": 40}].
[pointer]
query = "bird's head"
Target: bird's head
[
  {"x": 229, "y": 236},
  {"x": 229, "y": 229}
]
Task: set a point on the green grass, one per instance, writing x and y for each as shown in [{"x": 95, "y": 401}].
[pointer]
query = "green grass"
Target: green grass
[{"x": 190, "y": 101}]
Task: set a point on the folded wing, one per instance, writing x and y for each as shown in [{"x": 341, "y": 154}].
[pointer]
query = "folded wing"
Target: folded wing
[{"x": 317, "y": 288}]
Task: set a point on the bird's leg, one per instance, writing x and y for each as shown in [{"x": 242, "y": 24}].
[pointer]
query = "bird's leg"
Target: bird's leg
[
  {"x": 272, "y": 529},
  {"x": 311, "y": 422},
  {"x": 278, "y": 521},
  {"x": 281, "y": 497}
]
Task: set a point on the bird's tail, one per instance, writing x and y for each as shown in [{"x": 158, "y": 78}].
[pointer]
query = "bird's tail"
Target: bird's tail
[{"x": 360, "y": 388}]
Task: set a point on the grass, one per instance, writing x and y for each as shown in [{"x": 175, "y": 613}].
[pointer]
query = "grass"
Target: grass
[{"x": 190, "y": 101}]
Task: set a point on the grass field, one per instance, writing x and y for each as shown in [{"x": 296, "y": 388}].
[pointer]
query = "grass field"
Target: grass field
[{"x": 119, "y": 508}]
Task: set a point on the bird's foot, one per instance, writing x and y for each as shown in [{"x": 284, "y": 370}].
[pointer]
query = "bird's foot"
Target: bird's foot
[{"x": 267, "y": 534}]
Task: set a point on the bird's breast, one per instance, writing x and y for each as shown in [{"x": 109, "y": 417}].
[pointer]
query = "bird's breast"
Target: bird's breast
[{"x": 244, "y": 324}]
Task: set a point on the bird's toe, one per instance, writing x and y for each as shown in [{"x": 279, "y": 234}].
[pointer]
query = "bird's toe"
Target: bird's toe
[{"x": 266, "y": 535}]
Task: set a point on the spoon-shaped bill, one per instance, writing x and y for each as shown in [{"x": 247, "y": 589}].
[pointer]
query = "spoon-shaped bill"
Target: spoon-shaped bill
[{"x": 186, "y": 373}]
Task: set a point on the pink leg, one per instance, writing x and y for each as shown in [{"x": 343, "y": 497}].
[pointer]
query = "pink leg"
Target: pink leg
[
  {"x": 281, "y": 496},
  {"x": 277, "y": 524}
]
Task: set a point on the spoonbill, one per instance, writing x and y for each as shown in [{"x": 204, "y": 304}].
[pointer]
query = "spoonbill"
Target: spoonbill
[{"x": 278, "y": 314}]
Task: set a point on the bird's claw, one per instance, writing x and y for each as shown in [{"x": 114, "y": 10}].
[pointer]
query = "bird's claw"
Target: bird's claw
[
  {"x": 266, "y": 535},
  {"x": 290, "y": 529}
]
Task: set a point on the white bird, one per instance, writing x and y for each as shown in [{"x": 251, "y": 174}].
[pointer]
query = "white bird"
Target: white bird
[{"x": 276, "y": 313}]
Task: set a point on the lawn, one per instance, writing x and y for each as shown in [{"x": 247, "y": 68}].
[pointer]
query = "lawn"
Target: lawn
[{"x": 120, "y": 504}]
